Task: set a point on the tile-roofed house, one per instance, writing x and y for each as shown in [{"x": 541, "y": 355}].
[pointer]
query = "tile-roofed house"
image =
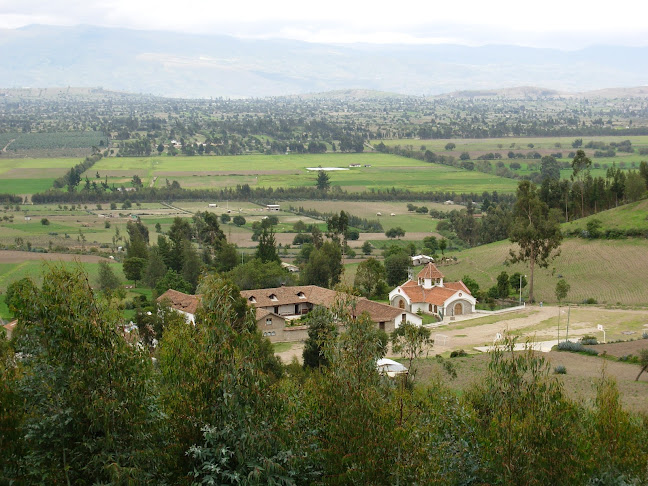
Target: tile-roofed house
[
  {"x": 276, "y": 307},
  {"x": 431, "y": 295},
  {"x": 293, "y": 302},
  {"x": 183, "y": 303}
]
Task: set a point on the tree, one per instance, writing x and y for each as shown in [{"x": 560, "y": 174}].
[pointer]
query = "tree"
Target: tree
[
  {"x": 370, "y": 278},
  {"x": 172, "y": 280},
  {"x": 643, "y": 362},
  {"x": 503, "y": 285},
  {"x": 366, "y": 248},
  {"x": 635, "y": 186},
  {"x": 550, "y": 168},
  {"x": 324, "y": 267},
  {"x": 239, "y": 220},
  {"x": 535, "y": 229},
  {"x": 266, "y": 250},
  {"x": 45, "y": 221},
  {"x": 443, "y": 244},
  {"x": 323, "y": 182},
  {"x": 136, "y": 181},
  {"x": 160, "y": 148},
  {"x": 562, "y": 288},
  {"x": 397, "y": 232},
  {"x": 86, "y": 392},
  {"x": 450, "y": 146},
  {"x": 396, "y": 268},
  {"x": 225, "y": 218},
  {"x": 411, "y": 341},
  {"x": 580, "y": 173},
  {"x": 108, "y": 281},
  {"x": 321, "y": 332},
  {"x": 134, "y": 268},
  {"x": 155, "y": 268},
  {"x": 258, "y": 275}
]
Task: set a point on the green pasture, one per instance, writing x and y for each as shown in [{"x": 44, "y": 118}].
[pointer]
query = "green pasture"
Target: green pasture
[
  {"x": 10, "y": 272},
  {"x": 517, "y": 144},
  {"x": 25, "y": 186},
  {"x": 384, "y": 171},
  {"x": 610, "y": 271},
  {"x": 629, "y": 216}
]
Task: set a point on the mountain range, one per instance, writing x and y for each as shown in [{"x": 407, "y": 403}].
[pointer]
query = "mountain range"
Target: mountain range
[{"x": 203, "y": 66}]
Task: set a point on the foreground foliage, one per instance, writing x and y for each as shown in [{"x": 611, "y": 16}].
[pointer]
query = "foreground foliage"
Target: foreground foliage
[{"x": 82, "y": 403}]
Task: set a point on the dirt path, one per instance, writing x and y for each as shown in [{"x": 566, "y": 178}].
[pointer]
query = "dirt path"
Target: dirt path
[{"x": 10, "y": 142}]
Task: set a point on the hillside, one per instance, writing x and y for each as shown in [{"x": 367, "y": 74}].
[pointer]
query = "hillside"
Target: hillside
[
  {"x": 203, "y": 66},
  {"x": 610, "y": 271},
  {"x": 628, "y": 216}
]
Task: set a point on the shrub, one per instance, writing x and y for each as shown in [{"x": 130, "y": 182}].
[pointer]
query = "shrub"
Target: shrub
[
  {"x": 644, "y": 335},
  {"x": 573, "y": 347},
  {"x": 590, "y": 301},
  {"x": 459, "y": 353},
  {"x": 588, "y": 340},
  {"x": 560, "y": 370}
]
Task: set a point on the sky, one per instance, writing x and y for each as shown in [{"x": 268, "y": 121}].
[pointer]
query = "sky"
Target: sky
[{"x": 563, "y": 24}]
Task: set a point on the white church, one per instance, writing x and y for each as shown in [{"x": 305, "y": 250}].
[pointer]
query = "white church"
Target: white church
[{"x": 430, "y": 295}]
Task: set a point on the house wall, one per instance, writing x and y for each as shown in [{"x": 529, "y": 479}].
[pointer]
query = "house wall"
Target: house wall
[
  {"x": 468, "y": 307},
  {"x": 396, "y": 299},
  {"x": 273, "y": 330}
]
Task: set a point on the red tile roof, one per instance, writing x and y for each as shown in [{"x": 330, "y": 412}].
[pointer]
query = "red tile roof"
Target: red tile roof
[
  {"x": 430, "y": 271},
  {"x": 181, "y": 301},
  {"x": 377, "y": 312},
  {"x": 291, "y": 295},
  {"x": 435, "y": 295},
  {"x": 457, "y": 286}
]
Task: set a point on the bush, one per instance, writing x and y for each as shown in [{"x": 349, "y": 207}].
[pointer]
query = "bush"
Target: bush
[
  {"x": 460, "y": 353},
  {"x": 576, "y": 348},
  {"x": 560, "y": 370},
  {"x": 588, "y": 340},
  {"x": 590, "y": 301},
  {"x": 644, "y": 335}
]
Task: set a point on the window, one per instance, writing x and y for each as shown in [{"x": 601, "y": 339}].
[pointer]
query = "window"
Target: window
[
  {"x": 301, "y": 295},
  {"x": 436, "y": 309},
  {"x": 269, "y": 321},
  {"x": 252, "y": 299},
  {"x": 273, "y": 297},
  {"x": 429, "y": 307},
  {"x": 401, "y": 304},
  {"x": 404, "y": 318},
  {"x": 382, "y": 326},
  {"x": 276, "y": 309}
]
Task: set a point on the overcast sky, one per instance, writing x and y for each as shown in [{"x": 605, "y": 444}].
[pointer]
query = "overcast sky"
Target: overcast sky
[{"x": 565, "y": 24}]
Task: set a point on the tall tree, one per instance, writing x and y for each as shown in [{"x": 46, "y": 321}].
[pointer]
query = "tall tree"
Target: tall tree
[
  {"x": 370, "y": 278},
  {"x": 535, "y": 229},
  {"x": 323, "y": 183},
  {"x": 581, "y": 171},
  {"x": 267, "y": 249},
  {"x": 87, "y": 392},
  {"x": 549, "y": 169}
]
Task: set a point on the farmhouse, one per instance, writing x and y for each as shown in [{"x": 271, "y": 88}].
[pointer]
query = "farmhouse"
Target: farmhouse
[
  {"x": 429, "y": 294},
  {"x": 276, "y": 309},
  {"x": 290, "y": 303},
  {"x": 273, "y": 207}
]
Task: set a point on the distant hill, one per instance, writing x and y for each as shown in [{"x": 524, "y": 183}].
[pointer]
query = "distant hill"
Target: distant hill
[{"x": 188, "y": 66}]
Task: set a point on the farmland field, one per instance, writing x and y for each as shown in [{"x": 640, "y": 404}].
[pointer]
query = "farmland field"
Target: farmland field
[
  {"x": 610, "y": 271},
  {"x": 377, "y": 171}
]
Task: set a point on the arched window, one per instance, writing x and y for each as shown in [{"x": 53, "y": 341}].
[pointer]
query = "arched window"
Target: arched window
[
  {"x": 401, "y": 304},
  {"x": 429, "y": 307}
]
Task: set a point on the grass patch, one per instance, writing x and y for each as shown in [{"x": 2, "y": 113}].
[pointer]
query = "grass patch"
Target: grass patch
[{"x": 282, "y": 347}]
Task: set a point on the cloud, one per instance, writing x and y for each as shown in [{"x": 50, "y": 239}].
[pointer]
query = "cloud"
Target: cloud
[{"x": 552, "y": 23}]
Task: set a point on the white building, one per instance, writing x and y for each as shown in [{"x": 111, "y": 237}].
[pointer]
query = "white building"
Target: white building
[{"x": 429, "y": 294}]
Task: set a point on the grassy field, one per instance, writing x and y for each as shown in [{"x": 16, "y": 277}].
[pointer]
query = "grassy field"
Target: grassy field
[
  {"x": 628, "y": 216},
  {"x": 376, "y": 171},
  {"x": 10, "y": 272},
  {"x": 610, "y": 271}
]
